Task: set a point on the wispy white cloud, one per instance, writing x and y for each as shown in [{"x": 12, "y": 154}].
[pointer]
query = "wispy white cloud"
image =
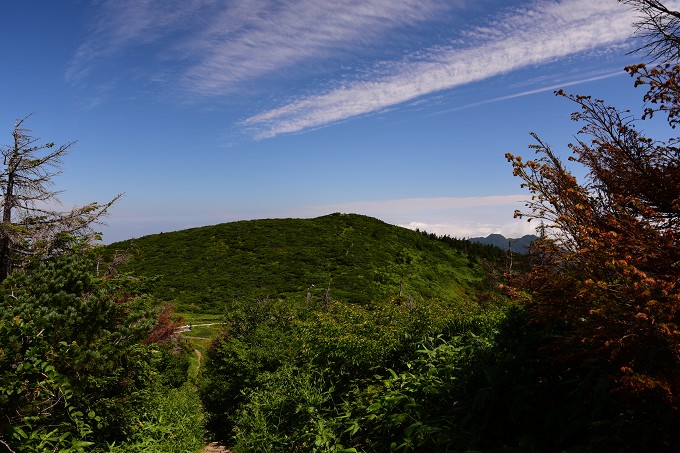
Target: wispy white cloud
[
  {"x": 208, "y": 48},
  {"x": 537, "y": 34},
  {"x": 564, "y": 84},
  {"x": 120, "y": 25},
  {"x": 252, "y": 38},
  {"x": 224, "y": 43}
]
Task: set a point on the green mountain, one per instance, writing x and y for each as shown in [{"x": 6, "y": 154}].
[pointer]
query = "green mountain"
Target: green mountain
[{"x": 347, "y": 257}]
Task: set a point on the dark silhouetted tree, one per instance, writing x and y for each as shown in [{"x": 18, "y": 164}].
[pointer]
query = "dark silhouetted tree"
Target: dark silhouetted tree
[{"x": 659, "y": 28}]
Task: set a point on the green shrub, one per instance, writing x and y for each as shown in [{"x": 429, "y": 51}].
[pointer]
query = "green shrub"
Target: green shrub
[
  {"x": 284, "y": 411},
  {"x": 417, "y": 408},
  {"x": 75, "y": 373},
  {"x": 289, "y": 377},
  {"x": 171, "y": 423},
  {"x": 171, "y": 365},
  {"x": 72, "y": 364}
]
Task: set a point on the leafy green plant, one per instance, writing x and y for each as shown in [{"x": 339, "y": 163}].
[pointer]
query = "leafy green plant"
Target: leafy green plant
[
  {"x": 172, "y": 423},
  {"x": 293, "y": 377},
  {"x": 284, "y": 411},
  {"x": 73, "y": 367}
]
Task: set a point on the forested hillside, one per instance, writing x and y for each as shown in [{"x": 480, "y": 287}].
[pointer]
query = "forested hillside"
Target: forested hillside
[{"x": 348, "y": 257}]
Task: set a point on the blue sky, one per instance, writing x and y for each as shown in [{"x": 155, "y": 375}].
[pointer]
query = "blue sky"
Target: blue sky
[{"x": 206, "y": 111}]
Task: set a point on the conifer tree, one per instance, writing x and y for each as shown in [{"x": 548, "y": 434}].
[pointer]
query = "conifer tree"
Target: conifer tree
[{"x": 31, "y": 228}]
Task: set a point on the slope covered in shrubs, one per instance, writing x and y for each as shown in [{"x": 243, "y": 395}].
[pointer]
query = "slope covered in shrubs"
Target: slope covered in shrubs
[{"x": 348, "y": 257}]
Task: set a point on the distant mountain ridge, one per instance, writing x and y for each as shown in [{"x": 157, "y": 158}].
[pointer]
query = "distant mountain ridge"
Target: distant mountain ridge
[{"x": 519, "y": 245}]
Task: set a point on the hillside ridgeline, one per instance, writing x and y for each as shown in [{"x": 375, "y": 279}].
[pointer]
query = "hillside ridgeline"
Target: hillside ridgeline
[{"x": 350, "y": 257}]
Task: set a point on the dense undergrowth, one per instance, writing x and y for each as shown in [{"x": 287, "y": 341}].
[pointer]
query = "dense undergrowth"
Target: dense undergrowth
[
  {"x": 78, "y": 371},
  {"x": 338, "y": 377},
  {"x": 396, "y": 378},
  {"x": 305, "y": 375}
]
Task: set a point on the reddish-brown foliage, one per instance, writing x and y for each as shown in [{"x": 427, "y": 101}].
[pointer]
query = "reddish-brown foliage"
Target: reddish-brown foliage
[
  {"x": 166, "y": 326},
  {"x": 608, "y": 264}
]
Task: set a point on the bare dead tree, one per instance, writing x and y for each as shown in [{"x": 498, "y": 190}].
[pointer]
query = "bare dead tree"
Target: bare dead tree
[
  {"x": 30, "y": 227},
  {"x": 120, "y": 257},
  {"x": 327, "y": 295},
  {"x": 659, "y": 28},
  {"x": 510, "y": 256}
]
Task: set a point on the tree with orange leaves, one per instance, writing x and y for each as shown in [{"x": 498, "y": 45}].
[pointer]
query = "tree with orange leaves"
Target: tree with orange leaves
[
  {"x": 613, "y": 243},
  {"x": 609, "y": 272}
]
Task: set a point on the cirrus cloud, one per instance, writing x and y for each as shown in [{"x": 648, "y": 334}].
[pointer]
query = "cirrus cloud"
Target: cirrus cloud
[
  {"x": 214, "y": 48},
  {"x": 537, "y": 34}
]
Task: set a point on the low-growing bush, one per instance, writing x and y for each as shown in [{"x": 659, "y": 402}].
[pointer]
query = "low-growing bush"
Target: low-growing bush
[
  {"x": 342, "y": 377},
  {"x": 171, "y": 423}
]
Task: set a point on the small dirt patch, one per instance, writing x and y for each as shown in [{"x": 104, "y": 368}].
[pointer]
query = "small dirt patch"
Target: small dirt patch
[{"x": 214, "y": 447}]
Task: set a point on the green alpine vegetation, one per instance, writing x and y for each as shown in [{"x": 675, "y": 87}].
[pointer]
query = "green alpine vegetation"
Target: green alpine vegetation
[
  {"x": 319, "y": 316},
  {"x": 79, "y": 370},
  {"x": 346, "y": 257},
  {"x": 87, "y": 358}
]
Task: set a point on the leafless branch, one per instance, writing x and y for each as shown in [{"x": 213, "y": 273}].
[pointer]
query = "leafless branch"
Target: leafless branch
[{"x": 659, "y": 28}]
